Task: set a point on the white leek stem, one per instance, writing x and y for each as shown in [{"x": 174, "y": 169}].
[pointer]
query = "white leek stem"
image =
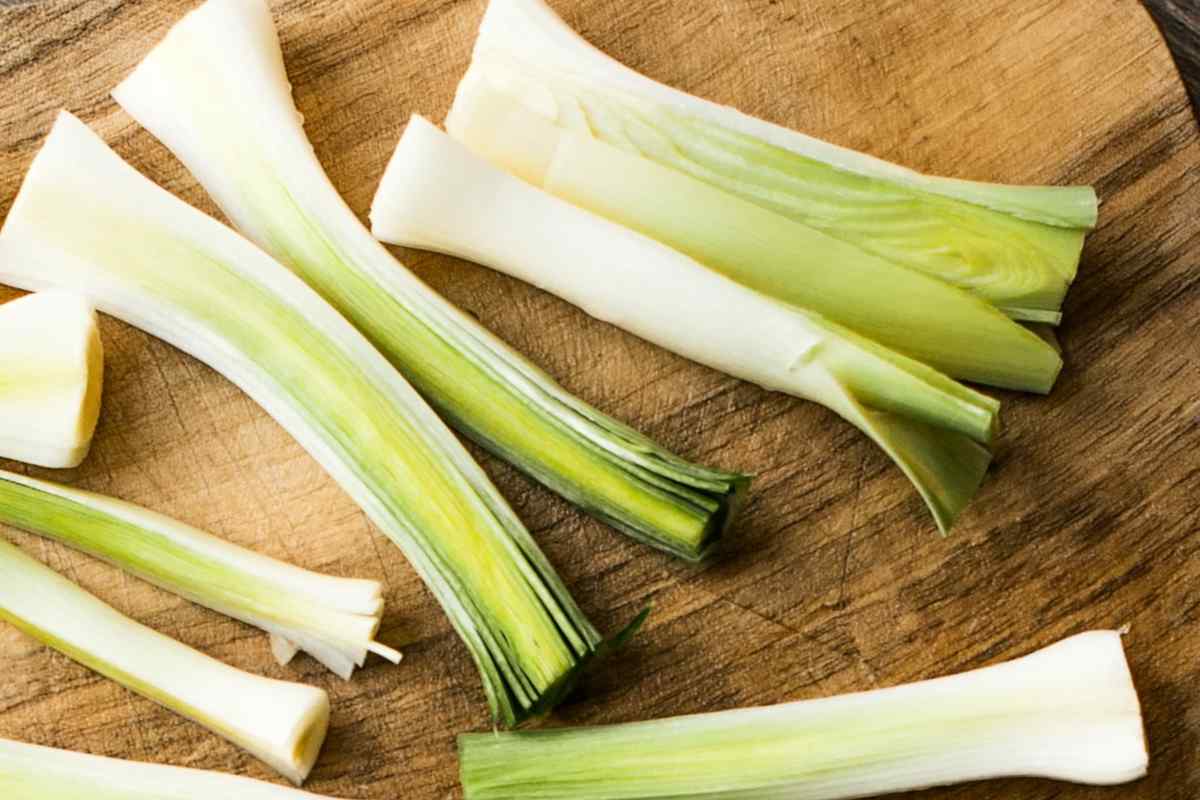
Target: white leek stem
[
  {"x": 282, "y": 723},
  {"x": 30, "y": 772},
  {"x": 51, "y": 376},
  {"x": 333, "y": 619},
  {"x": 1069, "y": 712}
]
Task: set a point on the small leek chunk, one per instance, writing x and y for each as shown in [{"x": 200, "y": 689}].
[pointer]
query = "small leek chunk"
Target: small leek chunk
[
  {"x": 333, "y": 619},
  {"x": 1016, "y": 246},
  {"x": 30, "y": 772},
  {"x": 437, "y": 195},
  {"x": 86, "y": 219},
  {"x": 1068, "y": 712},
  {"x": 216, "y": 93},
  {"x": 901, "y": 308},
  {"x": 282, "y": 723},
  {"x": 51, "y": 373}
]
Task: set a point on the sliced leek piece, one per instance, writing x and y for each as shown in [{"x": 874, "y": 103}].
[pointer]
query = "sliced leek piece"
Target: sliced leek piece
[
  {"x": 901, "y": 308},
  {"x": 1068, "y": 712},
  {"x": 86, "y": 219},
  {"x": 51, "y": 374},
  {"x": 437, "y": 195},
  {"x": 216, "y": 93},
  {"x": 30, "y": 772},
  {"x": 1016, "y": 246},
  {"x": 333, "y": 619},
  {"x": 283, "y": 724}
]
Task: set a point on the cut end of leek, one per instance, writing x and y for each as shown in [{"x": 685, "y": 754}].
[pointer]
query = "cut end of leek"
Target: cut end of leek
[
  {"x": 333, "y": 619},
  {"x": 283, "y": 724},
  {"x": 51, "y": 376},
  {"x": 437, "y": 195},
  {"x": 1068, "y": 712}
]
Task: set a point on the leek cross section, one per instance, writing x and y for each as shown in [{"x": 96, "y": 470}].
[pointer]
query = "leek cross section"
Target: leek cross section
[
  {"x": 216, "y": 93},
  {"x": 85, "y": 219}
]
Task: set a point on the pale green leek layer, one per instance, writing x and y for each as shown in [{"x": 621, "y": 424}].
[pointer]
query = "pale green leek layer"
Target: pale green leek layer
[
  {"x": 281, "y": 723},
  {"x": 86, "y": 219},
  {"x": 334, "y": 619},
  {"x": 29, "y": 772},
  {"x": 216, "y": 93},
  {"x": 901, "y": 308},
  {"x": 1015, "y": 246},
  {"x": 437, "y": 195},
  {"x": 1068, "y": 712}
]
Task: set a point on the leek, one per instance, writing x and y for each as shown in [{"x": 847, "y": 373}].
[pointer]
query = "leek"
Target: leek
[
  {"x": 283, "y": 724},
  {"x": 439, "y": 196},
  {"x": 30, "y": 772},
  {"x": 85, "y": 219},
  {"x": 901, "y": 308},
  {"x": 51, "y": 374},
  {"x": 215, "y": 92},
  {"x": 333, "y": 619},
  {"x": 1068, "y": 712},
  {"x": 1016, "y": 246}
]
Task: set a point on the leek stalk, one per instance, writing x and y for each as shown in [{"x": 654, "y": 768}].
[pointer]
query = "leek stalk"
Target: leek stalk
[
  {"x": 30, "y": 772},
  {"x": 283, "y": 724},
  {"x": 333, "y": 619},
  {"x": 1069, "y": 712},
  {"x": 439, "y": 196},
  {"x": 51, "y": 378},
  {"x": 1016, "y": 246},
  {"x": 216, "y": 93},
  {"x": 85, "y": 219},
  {"x": 901, "y": 308}
]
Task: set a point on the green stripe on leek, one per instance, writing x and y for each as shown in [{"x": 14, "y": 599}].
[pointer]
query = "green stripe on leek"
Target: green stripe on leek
[
  {"x": 281, "y": 723},
  {"x": 86, "y": 219},
  {"x": 334, "y": 619},
  {"x": 437, "y": 195},
  {"x": 216, "y": 93},
  {"x": 1068, "y": 712},
  {"x": 1016, "y": 246}
]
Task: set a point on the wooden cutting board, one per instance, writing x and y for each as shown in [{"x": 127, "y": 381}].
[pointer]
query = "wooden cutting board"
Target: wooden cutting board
[{"x": 836, "y": 580}]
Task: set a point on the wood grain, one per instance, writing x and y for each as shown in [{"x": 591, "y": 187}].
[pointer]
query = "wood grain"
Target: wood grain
[{"x": 836, "y": 580}]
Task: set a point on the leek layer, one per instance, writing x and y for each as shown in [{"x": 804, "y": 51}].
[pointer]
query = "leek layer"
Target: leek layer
[
  {"x": 29, "y": 772},
  {"x": 904, "y": 309},
  {"x": 283, "y": 724},
  {"x": 51, "y": 379},
  {"x": 333, "y": 619},
  {"x": 87, "y": 220},
  {"x": 216, "y": 93},
  {"x": 439, "y": 196},
  {"x": 1068, "y": 712},
  {"x": 1016, "y": 246}
]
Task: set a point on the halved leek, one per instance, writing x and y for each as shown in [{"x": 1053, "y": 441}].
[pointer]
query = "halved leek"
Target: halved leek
[
  {"x": 1069, "y": 712},
  {"x": 283, "y": 724},
  {"x": 439, "y": 196},
  {"x": 333, "y": 619},
  {"x": 1016, "y": 246},
  {"x": 901, "y": 308},
  {"x": 30, "y": 772},
  {"x": 51, "y": 377},
  {"x": 85, "y": 219},
  {"x": 216, "y": 93}
]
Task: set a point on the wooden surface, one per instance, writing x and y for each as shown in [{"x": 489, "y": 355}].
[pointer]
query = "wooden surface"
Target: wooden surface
[
  {"x": 1179, "y": 21},
  {"x": 836, "y": 580}
]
